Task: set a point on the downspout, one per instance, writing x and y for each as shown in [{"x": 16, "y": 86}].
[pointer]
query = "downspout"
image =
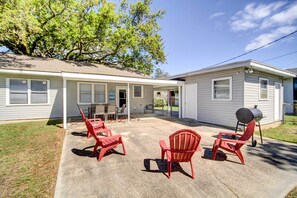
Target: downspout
[{"x": 64, "y": 103}]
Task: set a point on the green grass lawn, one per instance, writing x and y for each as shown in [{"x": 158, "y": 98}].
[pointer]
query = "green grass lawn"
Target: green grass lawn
[
  {"x": 293, "y": 193},
  {"x": 174, "y": 108},
  {"x": 286, "y": 132},
  {"x": 29, "y": 157}
]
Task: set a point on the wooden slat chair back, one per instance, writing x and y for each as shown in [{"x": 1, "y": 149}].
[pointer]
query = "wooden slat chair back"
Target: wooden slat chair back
[
  {"x": 183, "y": 144},
  {"x": 98, "y": 124}
]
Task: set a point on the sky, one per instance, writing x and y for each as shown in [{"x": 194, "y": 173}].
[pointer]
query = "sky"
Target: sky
[{"x": 199, "y": 33}]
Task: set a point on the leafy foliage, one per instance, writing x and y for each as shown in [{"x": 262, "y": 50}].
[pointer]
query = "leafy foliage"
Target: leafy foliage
[
  {"x": 160, "y": 73},
  {"x": 94, "y": 30}
]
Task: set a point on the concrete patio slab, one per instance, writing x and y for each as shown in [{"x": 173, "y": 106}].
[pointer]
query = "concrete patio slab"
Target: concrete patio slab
[{"x": 270, "y": 170}]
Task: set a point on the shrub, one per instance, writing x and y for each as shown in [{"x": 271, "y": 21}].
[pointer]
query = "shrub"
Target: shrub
[{"x": 159, "y": 103}]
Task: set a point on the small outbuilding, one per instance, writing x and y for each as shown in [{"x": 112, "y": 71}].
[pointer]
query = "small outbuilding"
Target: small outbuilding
[{"x": 214, "y": 94}]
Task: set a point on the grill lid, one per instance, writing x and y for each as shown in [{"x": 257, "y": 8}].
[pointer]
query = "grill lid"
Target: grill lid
[{"x": 246, "y": 115}]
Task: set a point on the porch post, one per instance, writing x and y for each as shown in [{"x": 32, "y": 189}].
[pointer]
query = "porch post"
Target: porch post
[
  {"x": 184, "y": 100},
  {"x": 128, "y": 103},
  {"x": 64, "y": 103},
  {"x": 179, "y": 102},
  {"x": 168, "y": 101}
]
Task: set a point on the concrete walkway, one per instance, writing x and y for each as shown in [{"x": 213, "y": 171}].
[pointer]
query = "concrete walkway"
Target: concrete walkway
[{"x": 270, "y": 170}]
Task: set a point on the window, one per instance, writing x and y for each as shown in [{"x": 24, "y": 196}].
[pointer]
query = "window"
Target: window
[
  {"x": 222, "y": 88},
  {"x": 18, "y": 91},
  {"x": 137, "y": 91},
  {"x": 263, "y": 88},
  {"x": 38, "y": 91},
  {"x": 91, "y": 93},
  {"x": 26, "y": 91}
]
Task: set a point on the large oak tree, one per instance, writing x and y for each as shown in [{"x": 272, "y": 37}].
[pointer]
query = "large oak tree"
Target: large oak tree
[{"x": 84, "y": 30}]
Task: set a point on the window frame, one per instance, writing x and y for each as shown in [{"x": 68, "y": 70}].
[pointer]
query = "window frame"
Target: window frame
[
  {"x": 230, "y": 88},
  {"x": 92, "y": 92},
  {"x": 259, "y": 90},
  {"x": 134, "y": 91},
  {"x": 29, "y": 103}
]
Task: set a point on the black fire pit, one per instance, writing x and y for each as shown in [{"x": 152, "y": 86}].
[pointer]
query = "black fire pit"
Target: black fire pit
[{"x": 246, "y": 115}]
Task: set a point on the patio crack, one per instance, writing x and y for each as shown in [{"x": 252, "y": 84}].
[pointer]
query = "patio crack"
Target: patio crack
[{"x": 227, "y": 186}]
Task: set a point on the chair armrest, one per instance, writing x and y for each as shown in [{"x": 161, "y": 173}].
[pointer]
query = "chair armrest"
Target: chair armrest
[
  {"x": 231, "y": 140},
  {"x": 163, "y": 145},
  {"x": 228, "y": 133}
]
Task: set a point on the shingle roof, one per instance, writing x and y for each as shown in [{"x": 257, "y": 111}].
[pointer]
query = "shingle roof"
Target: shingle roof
[
  {"x": 11, "y": 61},
  {"x": 294, "y": 70}
]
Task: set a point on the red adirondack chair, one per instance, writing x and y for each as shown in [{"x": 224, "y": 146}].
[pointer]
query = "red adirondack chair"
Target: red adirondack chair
[
  {"x": 98, "y": 124},
  {"x": 232, "y": 145},
  {"x": 106, "y": 143},
  {"x": 183, "y": 144}
]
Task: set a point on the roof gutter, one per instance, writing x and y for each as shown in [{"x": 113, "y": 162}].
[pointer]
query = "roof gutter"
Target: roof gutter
[
  {"x": 248, "y": 63},
  {"x": 13, "y": 71},
  {"x": 107, "y": 78}
]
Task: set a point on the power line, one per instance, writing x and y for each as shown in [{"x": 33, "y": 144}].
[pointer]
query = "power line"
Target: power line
[
  {"x": 279, "y": 56},
  {"x": 292, "y": 63},
  {"x": 256, "y": 48}
]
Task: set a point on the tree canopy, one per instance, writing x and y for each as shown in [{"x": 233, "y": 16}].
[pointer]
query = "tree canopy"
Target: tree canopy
[
  {"x": 160, "y": 73},
  {"x": 125, "y": 34}
]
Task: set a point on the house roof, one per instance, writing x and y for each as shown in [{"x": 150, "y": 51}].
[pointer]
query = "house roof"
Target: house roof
[
  {"x": 69, "y": 70},
  {"x": 26, "y": 63},
  {"x": 247, "y": 63},
  {"x": 293, "y": 70}
]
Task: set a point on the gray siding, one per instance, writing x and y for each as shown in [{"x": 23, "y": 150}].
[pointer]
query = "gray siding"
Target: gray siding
[
  {"x": 137, "y": 104},
  {"x": 251, "y": 94},
  {"x": 288, "y": 95},
  {"x": 213, "y": 111},
  {"x": 15, "y": 112}
]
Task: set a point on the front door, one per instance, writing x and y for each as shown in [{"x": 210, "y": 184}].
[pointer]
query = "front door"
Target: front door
[
  {"x": 121, "y": 96},
  {"x": 278, "y": 101},
  {"x": 191, "y": 101}
]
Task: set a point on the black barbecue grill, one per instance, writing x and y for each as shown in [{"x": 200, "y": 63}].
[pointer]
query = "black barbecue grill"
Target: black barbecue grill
[{"x": 246, "y": 115}]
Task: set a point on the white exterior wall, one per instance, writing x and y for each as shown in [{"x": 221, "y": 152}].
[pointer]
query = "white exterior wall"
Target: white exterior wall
[
  {"x": 136, "y": 104},
  {"x": 251, "y": 94},
  {"x": 215, "y": 111},
  {"x": 34, "y": 111},
  {"x": 289, "y": 92}
]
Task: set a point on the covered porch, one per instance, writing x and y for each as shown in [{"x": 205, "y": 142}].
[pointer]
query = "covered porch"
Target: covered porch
[{"x": 87, "y": 89}]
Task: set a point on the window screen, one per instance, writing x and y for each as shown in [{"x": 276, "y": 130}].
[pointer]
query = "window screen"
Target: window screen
[
  {"x": 137, "y": 91},
  {"x": 18, "y": 91},
  {"x": 221, "y": 89}
]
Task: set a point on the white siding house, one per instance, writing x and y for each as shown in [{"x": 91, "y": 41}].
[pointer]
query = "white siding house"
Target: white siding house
[
  {"x": 214, "y": 94},
  {"x": 32, "y": 88}
]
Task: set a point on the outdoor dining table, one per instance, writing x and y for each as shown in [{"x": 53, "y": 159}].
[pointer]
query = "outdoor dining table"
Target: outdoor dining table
[{"x": 92, "y": 109}]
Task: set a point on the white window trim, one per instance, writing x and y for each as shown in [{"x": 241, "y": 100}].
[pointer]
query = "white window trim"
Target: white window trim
[
  {"x": 92, "y": 91},
  {"x": 29, "y": 92},
  {"x": 141, "y": 91},
  {"x": 230, "y": 88},
  {"x": 263, "y": 99}
]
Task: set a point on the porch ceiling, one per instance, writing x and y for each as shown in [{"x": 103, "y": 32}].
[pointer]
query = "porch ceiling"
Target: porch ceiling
[
  {"x": 121, "y": 79},
  {"x": 165, "y": 88}
]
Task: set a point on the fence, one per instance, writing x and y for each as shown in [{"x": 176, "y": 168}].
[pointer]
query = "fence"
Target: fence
[{"x": 290, "y": 113}]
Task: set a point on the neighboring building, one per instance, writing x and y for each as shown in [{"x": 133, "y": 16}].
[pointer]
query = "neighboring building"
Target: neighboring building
[
  {"x": 214, "y": 94},
  {"x": 32, "y": 88},
  {"x": 290, "y": 86},
  {"x": 173, "y": 96}
]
